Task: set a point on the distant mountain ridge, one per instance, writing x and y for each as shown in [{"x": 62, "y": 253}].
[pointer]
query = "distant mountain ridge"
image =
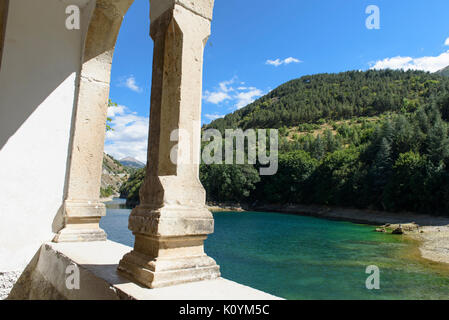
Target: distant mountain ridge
[
  {"x": 132, "y": 163},
  {"x": 444, "y": 72},
  {"x": 114, "y": 174}
]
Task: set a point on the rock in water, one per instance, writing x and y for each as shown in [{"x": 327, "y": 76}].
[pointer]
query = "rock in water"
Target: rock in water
[{"x": 398, "y": 230}]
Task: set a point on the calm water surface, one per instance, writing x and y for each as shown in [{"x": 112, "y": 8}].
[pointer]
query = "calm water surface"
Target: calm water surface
[{"x": 298, "y": 257}]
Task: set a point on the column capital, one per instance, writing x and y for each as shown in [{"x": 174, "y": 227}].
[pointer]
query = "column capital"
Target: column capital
[{"x": 203, "y": 8}]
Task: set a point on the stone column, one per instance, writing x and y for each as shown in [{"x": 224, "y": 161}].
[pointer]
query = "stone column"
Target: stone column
[
  {"x": 82, "y": 209},
  {"x": 172, "y": 222}
]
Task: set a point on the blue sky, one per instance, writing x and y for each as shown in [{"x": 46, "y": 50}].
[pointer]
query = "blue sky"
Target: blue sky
[{"x": 256, "y": 45}]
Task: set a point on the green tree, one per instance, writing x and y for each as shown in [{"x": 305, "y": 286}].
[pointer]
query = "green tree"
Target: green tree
[
  {"x": 130, "y": 189},
  {"x": 108, "y": 119},
  {"x": 407, "y": 187},
  {"x": 335, "y": 180},
  {"x": 291, "y": 183},
  {"x": 437, "y": 143},
  {"x": 225, "y": 183}
]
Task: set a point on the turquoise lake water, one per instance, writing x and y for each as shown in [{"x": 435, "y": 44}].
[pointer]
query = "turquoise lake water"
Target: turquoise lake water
[{"x": 297, "y": 257}]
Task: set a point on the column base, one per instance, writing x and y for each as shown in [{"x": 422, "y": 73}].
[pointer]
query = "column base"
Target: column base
[
  {"x": 82, "y": 222},
  {"x": 158, "y": 273},
  {"x": 159, "y": 262},
  {"x": 80, "y": 235}
]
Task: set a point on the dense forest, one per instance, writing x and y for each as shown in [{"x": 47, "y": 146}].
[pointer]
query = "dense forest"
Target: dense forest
[
  {"x": 311, "y": 99},
  {"x": 374, "y": 139}
]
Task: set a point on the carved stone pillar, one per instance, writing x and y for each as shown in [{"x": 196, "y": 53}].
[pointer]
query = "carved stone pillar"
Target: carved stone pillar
[
  {"x": 82, "y": 208},
  {"x": 172, "y": 222}
]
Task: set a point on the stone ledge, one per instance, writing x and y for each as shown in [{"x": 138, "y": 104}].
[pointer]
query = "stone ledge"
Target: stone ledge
[{"x": 97, "y": 262}]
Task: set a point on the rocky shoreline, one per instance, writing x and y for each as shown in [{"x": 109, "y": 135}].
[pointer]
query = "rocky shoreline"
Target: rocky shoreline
[
  {"x": 432, "y": 232},
  {"x": 217, "y": 207},
  {"x": 108, "y": 199}
]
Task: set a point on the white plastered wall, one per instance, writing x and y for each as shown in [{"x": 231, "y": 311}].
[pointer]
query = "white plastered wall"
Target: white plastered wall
[{"x": 38, "y": 80}]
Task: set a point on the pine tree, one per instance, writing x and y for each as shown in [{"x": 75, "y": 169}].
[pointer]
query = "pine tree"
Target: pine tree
[
  {"x": 380, "y": 172},
  {"x": 383, "y": 161},
  {"x": 438, "y": 143},
  {"x": 319, "y": 148},
  {"x": 388, "y": 131},
  {"x": 423, "y": 120},
  {"x": 331, "y": 142}
]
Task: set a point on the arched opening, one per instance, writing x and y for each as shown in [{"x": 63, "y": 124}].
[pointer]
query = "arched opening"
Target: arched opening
[
  {"x": 171, "y": 224},
  {"x": 82, "y": 208},
  {"x": 172, "y": 221},
  {"x": 128, "y": 116},
  {"x": 126, "y": 143}
]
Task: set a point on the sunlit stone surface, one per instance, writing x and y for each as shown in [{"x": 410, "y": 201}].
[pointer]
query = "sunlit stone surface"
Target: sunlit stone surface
[{"x": 172, "y": 222}]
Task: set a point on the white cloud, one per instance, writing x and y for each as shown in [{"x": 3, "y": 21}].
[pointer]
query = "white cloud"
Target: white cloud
[
  {"x": 225, "y": 85},
  {"x": 291, "y": 60},
  {"x": 446, "y": 43},
  {"x": 222, "y": 93},
  {"x": 130, "y": 83},
  {"x": 245, "y": 88},
  {"x": 275, "y": 63},
  {"x": 279, "y": 62},
  {"x": 225, "y": 92},
  {"x": 430, "y": 63},
  {"x": 213, "y": 116},
  {"x": 116, "y": 110},
  {"x": 129, "y": 137},
  {"x": 216, "y": 97},
  {"x": 245, "y": 98}
]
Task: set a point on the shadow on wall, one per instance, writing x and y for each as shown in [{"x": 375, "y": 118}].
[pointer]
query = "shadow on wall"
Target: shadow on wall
[
  {"x": 37, "y": 59},
  {"x": 39, "y": 72},
  {"x": 4, "y": 5},
  {"x": 38, "y": 53},
  {"x": 39, "y": 87}
]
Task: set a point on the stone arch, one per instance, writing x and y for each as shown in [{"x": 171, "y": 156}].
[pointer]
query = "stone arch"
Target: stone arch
[
  {"x": 172, "y": 222},
  {"x": 82, "y": 208}
]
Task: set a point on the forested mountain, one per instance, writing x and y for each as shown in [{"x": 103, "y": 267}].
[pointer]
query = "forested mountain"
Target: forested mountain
[
  {"x": 310, "y": 99},
  {"x": 130, "y": 189},
  {"x": 374, "y": 139},
  {"x": 444, "y": 72},
  {"x": 113, "y": 175}
]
